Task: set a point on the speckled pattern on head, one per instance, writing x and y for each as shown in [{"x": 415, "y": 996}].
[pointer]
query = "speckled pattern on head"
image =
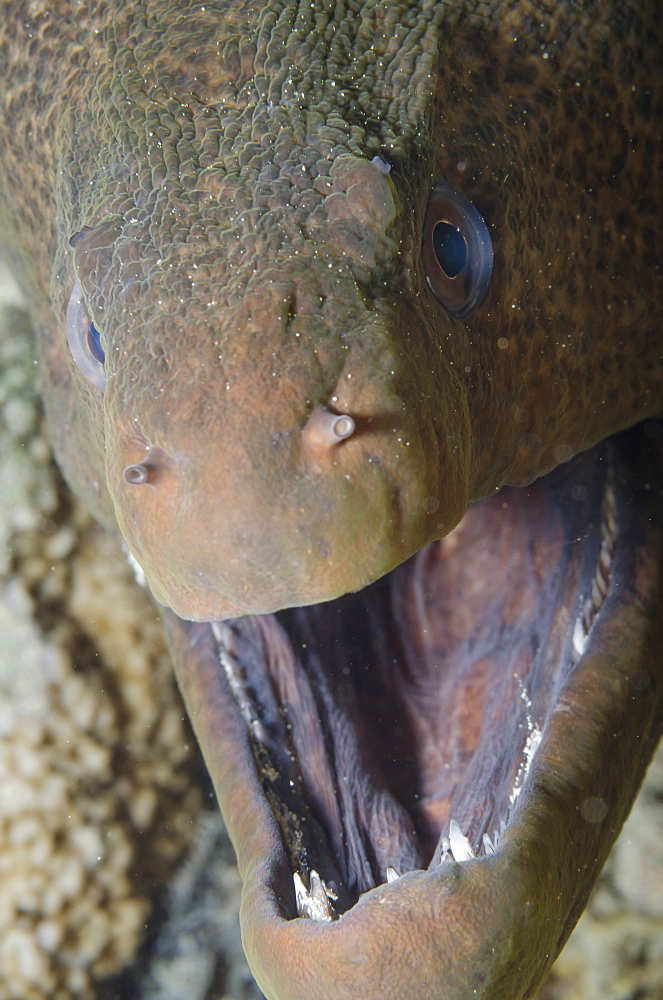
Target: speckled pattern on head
[{"x": 206, "y": 172}]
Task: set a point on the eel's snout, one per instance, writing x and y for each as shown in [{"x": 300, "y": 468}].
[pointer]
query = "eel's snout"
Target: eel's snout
[{"x": 253, "y": 521}]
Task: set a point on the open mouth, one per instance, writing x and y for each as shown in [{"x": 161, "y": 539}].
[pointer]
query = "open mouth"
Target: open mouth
[{"x": 432, "y": 771}]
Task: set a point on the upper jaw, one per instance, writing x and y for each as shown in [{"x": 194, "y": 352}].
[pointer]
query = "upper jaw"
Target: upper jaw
[{"x": 595, "y": 702}]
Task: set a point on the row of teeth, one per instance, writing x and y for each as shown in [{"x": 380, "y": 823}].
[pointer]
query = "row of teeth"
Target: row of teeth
[
  {"x": 315, "y": 903},
  {"x": 223, "y": 634},
  {"x": 601, "y": 582}
]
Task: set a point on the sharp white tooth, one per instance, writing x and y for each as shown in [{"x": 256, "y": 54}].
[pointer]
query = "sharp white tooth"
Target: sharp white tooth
[
  {"x": 600, "y": 581},
  {"x": 259, "y": 732},
  {"x": 605, "y": 560},
  {"x": 301, "y": 895},
  {"x": 488, "y": 845},
  {"x": 445, "y": 851},
  {"x": 460, "y": 845},
  {"x": 496, "y": 839},
  {"x": 579, "y": 639},
  {"x": 597, "y": 600},
  {"x": 136, "y": 568},
  {"x": 610, "y": 508},
  {"x": 392, "y": 874},
  {"x": 318, "y": 892},
  {"x": 314, "y": 902}
]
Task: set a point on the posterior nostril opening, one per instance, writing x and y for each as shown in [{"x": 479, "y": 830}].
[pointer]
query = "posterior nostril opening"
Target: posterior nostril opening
[
  {"x": 292, "y": 306},
  {"x": 136, "y": 475}
]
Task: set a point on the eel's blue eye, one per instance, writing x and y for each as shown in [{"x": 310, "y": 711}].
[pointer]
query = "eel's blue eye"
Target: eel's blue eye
[
  {"x": 94, "y": 343},
  {"x": 84, "y": 340},
  {"x": 457, "y": 251}
]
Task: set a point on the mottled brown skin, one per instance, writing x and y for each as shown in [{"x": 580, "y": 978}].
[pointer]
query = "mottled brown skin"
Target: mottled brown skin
[
  {"x": 246, "y": 263},
  {"x": 205, "y": 172}
]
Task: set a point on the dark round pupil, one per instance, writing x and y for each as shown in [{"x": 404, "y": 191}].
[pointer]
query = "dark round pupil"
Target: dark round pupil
[
  {"x": 450, "y": 248},
  {"x": 94, "y": 343}
]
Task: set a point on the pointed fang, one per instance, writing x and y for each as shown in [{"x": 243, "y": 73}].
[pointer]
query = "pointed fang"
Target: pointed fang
[
  {"x": 579, "y": 638},
  {"x": 392, "y": 874},
  {"x": 314, "y": 902},
  {"x": 460, "y": 845}
]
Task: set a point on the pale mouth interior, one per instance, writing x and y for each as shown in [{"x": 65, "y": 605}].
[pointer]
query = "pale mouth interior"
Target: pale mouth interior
[{"x": 394, "y": 728}]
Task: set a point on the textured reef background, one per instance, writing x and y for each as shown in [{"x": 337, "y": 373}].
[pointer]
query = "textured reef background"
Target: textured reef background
[{"x": 118, "y": 881}]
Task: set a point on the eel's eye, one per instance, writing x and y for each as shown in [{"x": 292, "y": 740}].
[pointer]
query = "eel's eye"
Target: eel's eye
[
  {"x": 457, "y": 251},
  {"x": 84, "y": 340}
]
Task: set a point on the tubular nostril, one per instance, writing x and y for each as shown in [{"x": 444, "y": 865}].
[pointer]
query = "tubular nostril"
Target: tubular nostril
[
  {"x": 136, "y": 475},
  {"x": 155, "y": 470},
  {"x": 343, "y": 427},
  {"x": 324, "y": 429}
]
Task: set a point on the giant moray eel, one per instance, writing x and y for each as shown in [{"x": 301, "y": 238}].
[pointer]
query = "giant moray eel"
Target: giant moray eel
[{"x": 309, "y": 278}]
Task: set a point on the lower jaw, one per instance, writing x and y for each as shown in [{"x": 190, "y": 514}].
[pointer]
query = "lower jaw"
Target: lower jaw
[{"x": 473, "y": 727}]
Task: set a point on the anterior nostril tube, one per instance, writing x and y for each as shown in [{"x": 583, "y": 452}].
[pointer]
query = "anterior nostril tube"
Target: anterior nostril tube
[
  {"x": 343, "y": 426},
  {"x": 136, "y": 475},
  {"x": 324, "y": 429}
]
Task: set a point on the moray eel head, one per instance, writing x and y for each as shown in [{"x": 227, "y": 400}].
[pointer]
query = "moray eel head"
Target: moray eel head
[
  {"x": 265, "y": 446},
  {"x": 259, "y": 246}
]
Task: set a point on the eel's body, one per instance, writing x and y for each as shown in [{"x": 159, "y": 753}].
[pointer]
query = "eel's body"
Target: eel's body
[{"x": 296, "y": 388}]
